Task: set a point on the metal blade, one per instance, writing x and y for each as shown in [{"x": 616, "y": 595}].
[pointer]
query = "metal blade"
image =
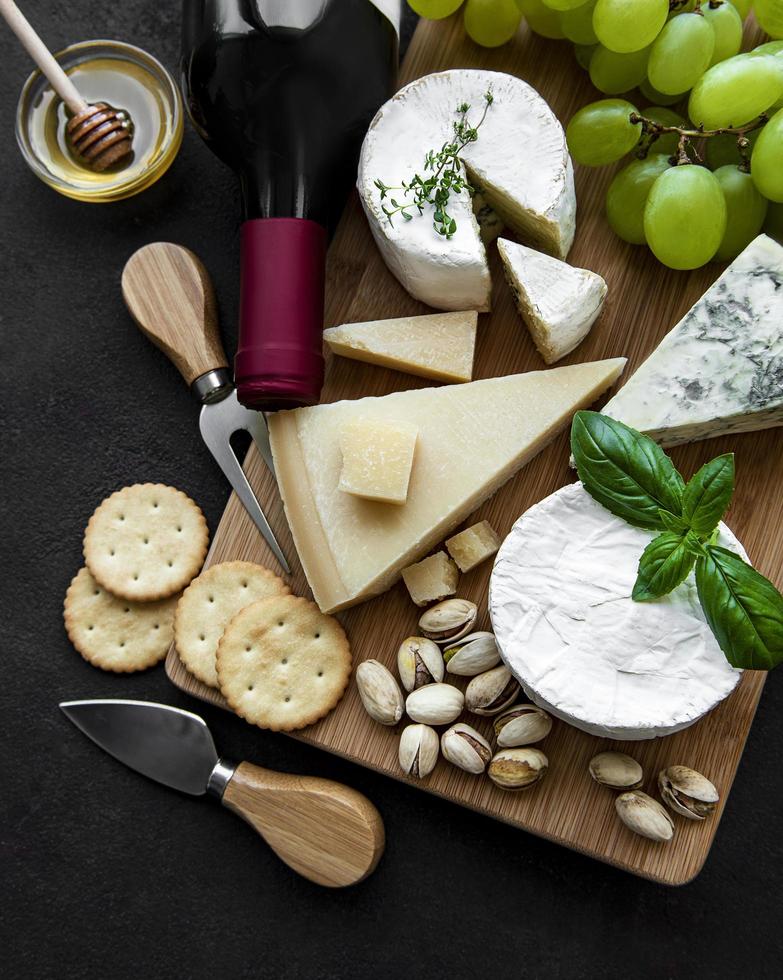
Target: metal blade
[
  {"x": 169, "y": 745},
  {"x": 217, "y": 422}
]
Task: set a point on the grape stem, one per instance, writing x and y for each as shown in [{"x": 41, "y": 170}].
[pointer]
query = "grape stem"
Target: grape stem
[{"x": 653, "y": 130}]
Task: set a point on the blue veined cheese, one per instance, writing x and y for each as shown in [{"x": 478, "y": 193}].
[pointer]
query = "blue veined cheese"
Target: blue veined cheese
[
  {"x": 520, "y": 162},
  {"x": 720, "y": 370},
  {"x": 582, "y": 649}
]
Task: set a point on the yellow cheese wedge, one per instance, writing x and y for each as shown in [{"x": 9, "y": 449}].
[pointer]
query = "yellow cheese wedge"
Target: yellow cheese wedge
[
  {"x": 472, "y": 438},
  {"x": 377, "y": 459},
  {"x": 436, "y": 345}
]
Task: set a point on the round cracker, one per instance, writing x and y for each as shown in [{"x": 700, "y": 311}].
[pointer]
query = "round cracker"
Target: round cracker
[
  {"x": 282, "y": 663},
  {"x": 146, "y": 542},
  {"x": 116, "y": 634},
  {"x": 209, "y": 603}
]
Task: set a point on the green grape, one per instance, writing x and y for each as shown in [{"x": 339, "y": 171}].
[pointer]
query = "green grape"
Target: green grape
[
  {"x": 602, "y": 132},
  {"x": 541, "y": 19},
  {"x": 743, "y": 7},
  {"x": 577, "y": 24},
  {"x": 583, "y": 53},
  {"x": 614, "y": 73},
  {"x": 667, "y": 143},
  {"x": 563, "y": 4},
  {"x": 627, "y": 196},
  {"x": 629, "y": 25},
  {"x": 685, "y": 217},
  {"x": 774, "y": 48},
  {"x": 723, "y": 149},
  {"x": 681, "y": 54},
  {"x": 735, "y": 91},
  {"x": 769, "y": 13},
  {"x": 766, "y": 163},
  {"x": 491, "y": 23},
  {"x": 434, "y": 9},
  {"x": 773, "y": 226},
  {"x": 653, "y": 95},
  {"x": 745, "y": 211},
  {"x": 727, "y": 26}
]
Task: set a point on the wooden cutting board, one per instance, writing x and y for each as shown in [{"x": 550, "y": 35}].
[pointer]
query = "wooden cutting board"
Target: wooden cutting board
[{"x": 645, "y": 301}]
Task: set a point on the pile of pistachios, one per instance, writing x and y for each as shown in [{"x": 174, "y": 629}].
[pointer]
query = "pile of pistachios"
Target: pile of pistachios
[
  {"x": 685, "y": 791},
  {"x": 446, "y": 646}
]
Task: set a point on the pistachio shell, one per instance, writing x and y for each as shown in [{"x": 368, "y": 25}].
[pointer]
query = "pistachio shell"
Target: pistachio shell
[
  {"x": 471, "y": 655},
  {"x": 380, "y": 692},
  {"x": 418, "y": 750},
  {"x": 616, "y": 769},
  {"x": 517, "y": 768},
  {"x": 644, "y": 815},
  {"x": 687, "y": 792},
  {"x": 419, "y": 662},
  {"x": 522, "y": 724},
  {"x": 435, "y": 704},
  {"x": 465, "y": 748},
  {"x": 448, "y": 620},
  {"x": 489, "y": 693}
]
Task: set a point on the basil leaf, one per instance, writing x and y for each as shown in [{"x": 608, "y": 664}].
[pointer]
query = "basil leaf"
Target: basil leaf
[
  {"x": 744, "y": 610},
  {"x": 625, "y": 471},
  {"x": 672, "y": 523},
  {"x": 665, "y": 563},
  {"x": 707, "y": 494}
]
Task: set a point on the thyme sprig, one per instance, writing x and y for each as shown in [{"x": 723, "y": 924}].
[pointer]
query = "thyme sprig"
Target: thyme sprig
[{"x": 447, "y": 175}]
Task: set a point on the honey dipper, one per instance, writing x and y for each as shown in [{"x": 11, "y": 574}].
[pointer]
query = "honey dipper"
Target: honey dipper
[{"x": 99, "y": 134}]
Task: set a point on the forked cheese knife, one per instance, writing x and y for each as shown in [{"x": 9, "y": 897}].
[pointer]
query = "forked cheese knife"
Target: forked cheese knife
[
  {"x": 170, "y": 296},
  {"x": 325, "y": 831}
]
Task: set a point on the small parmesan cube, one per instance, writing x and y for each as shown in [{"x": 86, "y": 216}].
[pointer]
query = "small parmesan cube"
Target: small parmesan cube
[
  {"x": 432, "y": 579},
  {"x": 473, "y": 545},
  {"x": 377, "y": 459}
]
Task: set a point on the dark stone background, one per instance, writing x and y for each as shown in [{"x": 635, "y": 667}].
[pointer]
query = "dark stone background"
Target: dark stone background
[{"x": 105, "y": 874}]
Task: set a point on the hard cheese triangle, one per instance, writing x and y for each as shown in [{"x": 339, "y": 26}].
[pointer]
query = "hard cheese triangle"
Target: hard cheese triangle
[
  {"x": 720, "y": 369},
  {"x": 472, "y": 438}
]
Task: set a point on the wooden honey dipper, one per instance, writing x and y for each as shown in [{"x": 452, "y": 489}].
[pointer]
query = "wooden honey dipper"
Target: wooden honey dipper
[{"x": 99, "y": 134}]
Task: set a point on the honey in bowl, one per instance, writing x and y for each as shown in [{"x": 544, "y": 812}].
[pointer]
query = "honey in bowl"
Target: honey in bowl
[{"x": 128, "y": 79}]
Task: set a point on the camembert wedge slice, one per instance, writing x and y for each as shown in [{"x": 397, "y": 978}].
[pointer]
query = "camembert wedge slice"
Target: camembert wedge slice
[
  {"x": 558, "y": 302},
  {"x": 720, "y": 370},
  {"x": 436, "y": 345},
  {"x": 471, "y": 439}
]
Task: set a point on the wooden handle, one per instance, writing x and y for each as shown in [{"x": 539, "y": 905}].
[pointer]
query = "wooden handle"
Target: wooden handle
[
  {"x": 41, "y": 55},
  {"x": 170, "y": 296},
  {"x": 325, "y": 831}
]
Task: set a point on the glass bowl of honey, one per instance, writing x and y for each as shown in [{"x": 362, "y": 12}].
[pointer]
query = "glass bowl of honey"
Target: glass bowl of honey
[{"x": 127, "y": 78}]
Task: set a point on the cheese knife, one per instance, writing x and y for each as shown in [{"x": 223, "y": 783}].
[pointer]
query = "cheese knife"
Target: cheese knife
[
  {"x": 170, "y": 296},
  {"x": 324, "y": 830}
]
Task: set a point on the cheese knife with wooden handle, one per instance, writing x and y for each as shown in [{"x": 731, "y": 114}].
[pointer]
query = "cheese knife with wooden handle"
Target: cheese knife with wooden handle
[{"x": 325, "y": 831}]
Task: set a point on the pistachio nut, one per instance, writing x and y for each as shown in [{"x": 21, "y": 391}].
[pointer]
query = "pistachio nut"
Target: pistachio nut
[
  {"x": 380, "y": 692},
  {"x": 448, "y": 620},
  {"x": 517, "y": 768},
  {"x": 435, "y": 704},
  {"x": 471, "y": 655},
  {"x": 418, "y": 750},
  {"x": 523, "y": 724},
  {"x": 687, "y": 792},
  {"x": 419, "y": 662},
  {"x": 644, "y": 815},
  {"x": 465, "y": 748},
  {"x": 489, "y": 693},
  {"x": 616, "y": 769}
]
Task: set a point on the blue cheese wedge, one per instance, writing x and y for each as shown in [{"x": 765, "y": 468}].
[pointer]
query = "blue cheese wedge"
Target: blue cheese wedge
[
  {"x": 520, "y": 162},
  {"x": 569, "y": 631},
  {"x": 558, "y": 302},
  {"x": 720, "y": 370}
]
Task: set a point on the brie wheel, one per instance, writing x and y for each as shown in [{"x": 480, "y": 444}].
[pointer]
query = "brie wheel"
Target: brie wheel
[
  {"x": 567, "y": 628},
  {"x": 520, "y": 162}
]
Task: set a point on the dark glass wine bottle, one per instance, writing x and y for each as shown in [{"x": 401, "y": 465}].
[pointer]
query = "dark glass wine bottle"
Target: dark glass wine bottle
[{"x": 283, "y": 92}]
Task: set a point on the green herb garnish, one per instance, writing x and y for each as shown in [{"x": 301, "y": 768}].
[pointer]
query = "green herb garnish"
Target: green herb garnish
[
  {"x": 447, "y": 176},
  {"x": 632, "y": 477}
]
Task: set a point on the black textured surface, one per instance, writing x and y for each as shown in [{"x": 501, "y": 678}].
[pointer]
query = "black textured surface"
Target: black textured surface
[{"x": 106, "y": 875}]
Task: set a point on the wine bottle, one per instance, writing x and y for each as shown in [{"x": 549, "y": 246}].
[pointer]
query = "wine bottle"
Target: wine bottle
[{"x": 283, "y": 92}]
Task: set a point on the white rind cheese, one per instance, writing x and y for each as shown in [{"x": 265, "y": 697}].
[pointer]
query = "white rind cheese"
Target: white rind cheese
[
  {"x": 720, "y": 370},
  {"x": 520, "y": 161},
  {"x": 566, "y": 626},
  {"x": 558, "y": 302},
  {"x": 471, "y": 439}
]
